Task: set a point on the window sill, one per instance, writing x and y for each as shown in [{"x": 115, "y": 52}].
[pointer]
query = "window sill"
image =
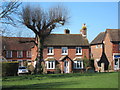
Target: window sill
[
  {"x": 50, "y": 68},
  {"x": 78, "y": 68},
  {"x": 64, "y": 54},
  {"x": 50, "y": 54},
  {"x": 78, "y": 54}
]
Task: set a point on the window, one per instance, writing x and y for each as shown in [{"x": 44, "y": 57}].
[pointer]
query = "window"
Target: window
[
  {"x": 29, "y": 54},
  {"x": 19, "y": 54},
  {"x": 119, "y": 46},
  {"x": 78, "y": 64},
  {"x": 101, "y": 46},
  {"x": 8, "y": 54},
  {"x": 64, "y": 51},
  {"x": 50, "y": 51},
  {"x": 78, "y": 51},
  {"x": 96, "y": 46},
  {"x": 50, "y": 64}
]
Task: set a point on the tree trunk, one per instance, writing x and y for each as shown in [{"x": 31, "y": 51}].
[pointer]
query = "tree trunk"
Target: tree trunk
[{"x": 39, "y": 67}]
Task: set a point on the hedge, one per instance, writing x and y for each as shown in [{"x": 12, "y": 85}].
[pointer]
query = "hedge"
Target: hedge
[{"x": 9, "y": 68}]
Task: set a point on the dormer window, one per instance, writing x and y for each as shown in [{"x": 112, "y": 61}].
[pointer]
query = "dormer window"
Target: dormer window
[
  {"x": 50, "y": 51},
  {"x": 9, "y": 54},
  {"x": 19, "y": 54},
  {"x": 64, "y": 50},
  {"x": 78, "y": 51}
]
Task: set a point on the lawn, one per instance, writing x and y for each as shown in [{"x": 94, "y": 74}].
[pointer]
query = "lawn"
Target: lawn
[{"x": 74, "y": 80}]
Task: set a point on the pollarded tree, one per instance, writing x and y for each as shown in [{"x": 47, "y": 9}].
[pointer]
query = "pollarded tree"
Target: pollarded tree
[{"x": 42, "y": 22}]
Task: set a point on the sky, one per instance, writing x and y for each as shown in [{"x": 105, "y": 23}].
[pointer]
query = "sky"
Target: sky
[{"x": 98, "y": 17}]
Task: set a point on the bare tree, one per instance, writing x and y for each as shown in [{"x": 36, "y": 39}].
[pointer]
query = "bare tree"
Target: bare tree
[
  {"x": 7, "y": 10},
  {"x": 42, "y": 22}
]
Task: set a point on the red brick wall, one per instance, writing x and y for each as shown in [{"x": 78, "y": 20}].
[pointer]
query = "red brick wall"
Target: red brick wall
[
  {"x": 116, "y": 48},
  {"x": 71, "y": 53}
]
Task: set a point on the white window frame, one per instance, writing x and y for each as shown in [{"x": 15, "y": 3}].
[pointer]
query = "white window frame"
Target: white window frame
[
  {"x": 78, "y": 62},
  {"x": 29, "y": 54},
  {"x": 50, "y": 63},
  {"x": 49, "y": 51},
  {"x": 119, "y": 45},
  {"x": 7, "y": 54},
  {"x": 101, "y": 45},
  {"x": 21, "y": 52},
  {"x": 96, "y": 46},
  {"x": 63, "y": 53},
  {"x": 78, "y": 51}
]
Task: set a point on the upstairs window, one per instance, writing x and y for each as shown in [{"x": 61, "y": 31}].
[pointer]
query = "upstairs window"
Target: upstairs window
[
  {"x": 64, "y": 51},
  {"x": 78, "y": 64},
  {"x": 50, "y": 64},
  {"x": 29, "y": 54},
  {"x": 19, "y": 54},
  {"x": 101, "y": 46},
  {"x": 9, "y": 54},
  {"x": 50, "y": 51},
  {"x": 119, "y": 46},
  {"x": 96, "y": 46},
  {"x": 78, "y": 51}
]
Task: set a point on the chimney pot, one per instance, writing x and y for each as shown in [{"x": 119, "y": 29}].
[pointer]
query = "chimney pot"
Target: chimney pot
[{"x": 67, "y": 31}]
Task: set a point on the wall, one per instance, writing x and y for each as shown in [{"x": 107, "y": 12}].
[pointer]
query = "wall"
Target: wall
[
  {"x": 71, "y": 53},
  {"x": 96, "y": 53},
  {"x": 108, "y": 49}
]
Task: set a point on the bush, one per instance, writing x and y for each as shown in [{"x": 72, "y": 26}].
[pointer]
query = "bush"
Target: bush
[
  {"x": 9, "y": 68},
  {"x": 31, "y": 69},
  {"x": 57, "y": 69}
]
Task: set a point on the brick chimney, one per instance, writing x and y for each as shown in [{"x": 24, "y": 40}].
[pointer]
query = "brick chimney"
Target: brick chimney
[
  {"x": 67, "y": 31},
  {"x": 84, "y": 31}
]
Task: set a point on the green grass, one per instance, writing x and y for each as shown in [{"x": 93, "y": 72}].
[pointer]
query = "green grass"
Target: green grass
[{"x": 75, "y": 80}]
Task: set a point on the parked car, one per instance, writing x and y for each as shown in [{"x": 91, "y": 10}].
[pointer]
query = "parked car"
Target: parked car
[{"x": 22, "y": 70}]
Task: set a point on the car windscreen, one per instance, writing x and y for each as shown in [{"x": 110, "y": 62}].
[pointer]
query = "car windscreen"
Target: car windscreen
[{"x": 22, "y": 67}]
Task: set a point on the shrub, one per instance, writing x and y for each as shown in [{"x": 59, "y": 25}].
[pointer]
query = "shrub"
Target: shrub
[
  {"x": 57, "y": 69},
  {"x": 9, "y": 68},
  {"x": 31, "y": 69}
]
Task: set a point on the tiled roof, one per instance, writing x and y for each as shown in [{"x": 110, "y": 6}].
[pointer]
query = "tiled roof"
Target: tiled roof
[
  {"x": 66, "y": 40},
  {"x": 12, "y": 43},
  {"x": 99, "y": 39},
  {"x": 114, "y": 34}
]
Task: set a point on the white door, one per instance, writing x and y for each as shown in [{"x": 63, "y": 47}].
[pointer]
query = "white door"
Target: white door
[
  {"x": 66, "y": 67},
  {"x": 117, "y": 64}
]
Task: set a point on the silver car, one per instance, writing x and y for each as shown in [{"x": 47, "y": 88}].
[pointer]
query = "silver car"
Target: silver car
[{"x": 22, "y": 70}]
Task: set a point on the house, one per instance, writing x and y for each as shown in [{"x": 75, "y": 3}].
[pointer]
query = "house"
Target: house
[
  {"x": 107, "y": 43},
  {"x": 13, "y": 50},
  {"x": 66, "y": 51}
]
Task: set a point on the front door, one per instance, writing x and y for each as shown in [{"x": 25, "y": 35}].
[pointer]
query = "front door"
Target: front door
[
  {"x": 117, "y": 64},
  {"x": 66, "y": 67}
]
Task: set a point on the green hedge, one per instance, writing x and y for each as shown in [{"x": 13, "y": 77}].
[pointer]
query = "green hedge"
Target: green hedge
[{"x": 9, "y": 68}]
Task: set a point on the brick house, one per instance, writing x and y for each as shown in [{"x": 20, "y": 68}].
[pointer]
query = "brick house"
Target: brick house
[
  {"x": 13, "y": 50},
  {"x": 65, "y": 51},
  {"x": 109, "y": 43}
]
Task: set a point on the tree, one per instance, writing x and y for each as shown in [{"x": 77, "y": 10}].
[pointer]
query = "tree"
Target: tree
[
  {"x": 42, "y": 22},
  {"x": 8, "y": 10}
]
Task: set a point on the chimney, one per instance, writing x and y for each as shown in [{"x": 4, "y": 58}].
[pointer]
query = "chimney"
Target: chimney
[
  {"x": 84, "y": 31},
  {"x": 67, "y": 31}
]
